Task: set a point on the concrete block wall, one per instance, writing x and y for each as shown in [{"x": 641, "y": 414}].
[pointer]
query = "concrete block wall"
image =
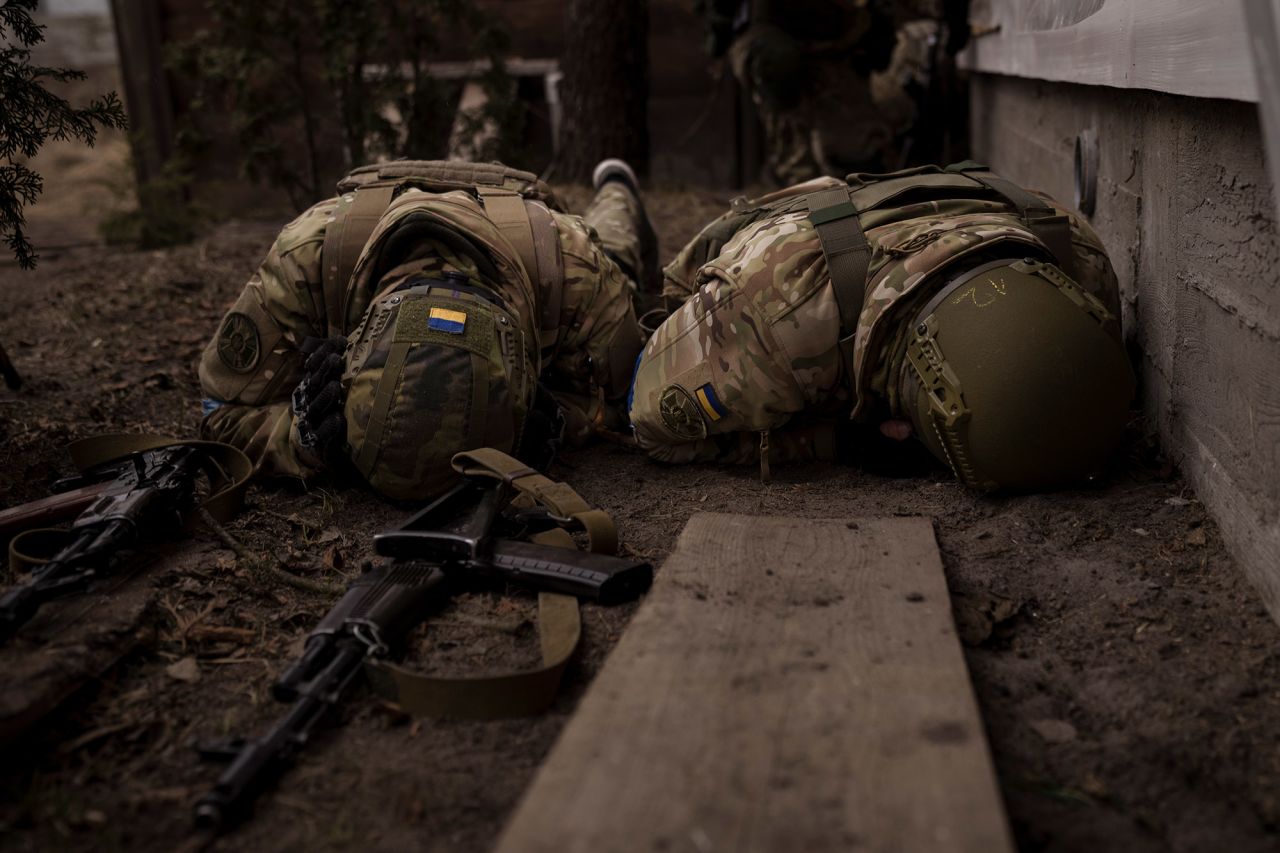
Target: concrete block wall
[{"x": 1186, "y": 211}]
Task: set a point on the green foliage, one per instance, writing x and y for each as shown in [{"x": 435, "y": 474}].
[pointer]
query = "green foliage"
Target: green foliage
[
  {"x": 31, "y": 116},
  {"x": 312, "y": 88},
  {"x": 161, "y": 217}
]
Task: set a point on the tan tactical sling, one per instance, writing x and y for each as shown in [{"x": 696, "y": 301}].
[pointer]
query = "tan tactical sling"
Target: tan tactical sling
[
  {"x": 559, "y": 623},
  {"x": 517, "y": 202}
]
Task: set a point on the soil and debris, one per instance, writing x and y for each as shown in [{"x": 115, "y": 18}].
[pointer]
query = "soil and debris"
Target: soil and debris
[{"x": 1127, "y": 672}]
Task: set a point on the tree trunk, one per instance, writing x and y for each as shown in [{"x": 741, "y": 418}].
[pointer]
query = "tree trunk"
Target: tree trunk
[{"x": 605, "y": 90}]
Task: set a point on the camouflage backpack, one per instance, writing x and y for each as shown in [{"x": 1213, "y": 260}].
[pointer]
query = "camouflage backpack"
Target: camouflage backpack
[
  {"x": 517, "y": 202},
  {"x": 837, "y": 208},
  {"x": 440, "y": 365}
]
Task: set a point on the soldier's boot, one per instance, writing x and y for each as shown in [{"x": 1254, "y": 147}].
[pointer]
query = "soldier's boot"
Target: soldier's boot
[{"x": 617, "y": 214}]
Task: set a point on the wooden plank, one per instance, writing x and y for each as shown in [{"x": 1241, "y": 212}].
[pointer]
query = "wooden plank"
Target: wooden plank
[
  {"x": 789, "y": 684},
  {"x": 1185, "y": 47}
]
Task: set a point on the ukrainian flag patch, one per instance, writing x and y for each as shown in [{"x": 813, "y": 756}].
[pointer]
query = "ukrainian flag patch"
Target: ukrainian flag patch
[
  {"x": 710, "y": 403},
  {"x": 447, "y": 320}
]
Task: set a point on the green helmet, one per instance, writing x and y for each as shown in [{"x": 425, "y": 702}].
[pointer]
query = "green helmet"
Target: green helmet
[
  {"x": 1017, "y": 378},
  {"x": 436, "y": 367}
]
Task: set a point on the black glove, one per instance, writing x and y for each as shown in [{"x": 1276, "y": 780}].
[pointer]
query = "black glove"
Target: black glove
[
  {"x": 543, "y": 431},
  {"x": 317, "y": 401}
]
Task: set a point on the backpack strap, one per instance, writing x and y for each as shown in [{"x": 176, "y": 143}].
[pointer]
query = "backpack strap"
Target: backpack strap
[
  {"x": 359, "y": 210},
  {"x": 1050, "y": 227},
  {"x": 848, "y": 257},
  {"x": 532, "y": 232},
  {"x": 352, "y": 224}
]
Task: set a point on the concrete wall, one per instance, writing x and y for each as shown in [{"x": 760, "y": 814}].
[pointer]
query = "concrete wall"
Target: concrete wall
[{"x": 1186, "y": 211}]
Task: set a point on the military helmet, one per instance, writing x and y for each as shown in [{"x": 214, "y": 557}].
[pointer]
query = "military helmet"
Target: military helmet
[
  {"x": 437, "y": 366},
  {"x": 1016, "y": 378}
]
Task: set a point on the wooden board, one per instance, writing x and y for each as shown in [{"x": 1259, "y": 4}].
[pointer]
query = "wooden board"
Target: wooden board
[{"x": 789, "y": 684}]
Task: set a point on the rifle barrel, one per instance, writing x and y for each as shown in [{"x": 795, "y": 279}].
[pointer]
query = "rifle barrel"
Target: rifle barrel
[{"x": 261, "y": 760}]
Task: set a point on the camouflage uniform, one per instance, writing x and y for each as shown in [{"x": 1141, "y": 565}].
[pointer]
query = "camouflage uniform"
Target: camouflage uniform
[
  {"x": 752, "y": 358},
  {"x": 895, "y": 89},
  {"x": 253, "y": 363}
]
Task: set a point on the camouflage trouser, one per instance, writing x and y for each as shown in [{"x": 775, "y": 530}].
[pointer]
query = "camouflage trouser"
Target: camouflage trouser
[{"x": 619, "y": 219}]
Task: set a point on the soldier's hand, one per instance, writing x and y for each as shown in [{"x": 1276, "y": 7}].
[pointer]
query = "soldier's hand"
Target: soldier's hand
[
  {"x": 896, "y": 429},
  {"x": 318, "y": 399}
]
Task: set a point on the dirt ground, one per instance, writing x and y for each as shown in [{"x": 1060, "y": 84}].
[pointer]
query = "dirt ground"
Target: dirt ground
[{"x": 1126, "y": 671}]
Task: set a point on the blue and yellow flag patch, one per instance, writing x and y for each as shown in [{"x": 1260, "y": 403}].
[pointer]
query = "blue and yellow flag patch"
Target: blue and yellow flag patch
[
  {"x": 710, "y": 403},
  {"x": 447, "y": 320}
]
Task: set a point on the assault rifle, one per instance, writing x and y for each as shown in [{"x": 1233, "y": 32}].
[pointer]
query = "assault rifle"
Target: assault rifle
[
  {"x": 151, "y": 491},
  {"x": 459, "y": 536}
]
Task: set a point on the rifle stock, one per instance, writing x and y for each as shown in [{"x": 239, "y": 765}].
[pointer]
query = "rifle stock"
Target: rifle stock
[{"x": 46, "y": 511}]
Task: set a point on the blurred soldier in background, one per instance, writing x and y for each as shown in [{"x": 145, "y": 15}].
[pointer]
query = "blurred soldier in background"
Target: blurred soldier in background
[
  {"x": 432, "y": 308},
  {"x": 946, "y": 304},
  {"x": 839, "y": 85}
]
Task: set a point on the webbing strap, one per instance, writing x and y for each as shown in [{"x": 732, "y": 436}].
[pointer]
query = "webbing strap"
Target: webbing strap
[
  {"x": 873, "y": 196},
  {"x": 848, "y": 257},
  {"x": 229, "y": 473},
  {"x": 561, "y": 499},
  {"x": 330, "y": 253},
  {"x": 546, "y": 248},
  {"x": 392, "y": 373},
  {"x": 529, "y": 228},
  {"x": 1050, "y": 227},
  {"x": 489, "y": 697},
  {"x": 506, "y": 210},
  {"x": 844, "y": 245},
  {"x": 353, "y": 223},
  {"x": 478, "y": 417}
]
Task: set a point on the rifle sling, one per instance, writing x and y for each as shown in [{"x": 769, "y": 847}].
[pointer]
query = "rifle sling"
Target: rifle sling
[
  {"x": 559, "y": 622},
  {"x": 602, "y": 535},
  {"x": 229, "y": 478},
  {"x": 488, "y": 697}
]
